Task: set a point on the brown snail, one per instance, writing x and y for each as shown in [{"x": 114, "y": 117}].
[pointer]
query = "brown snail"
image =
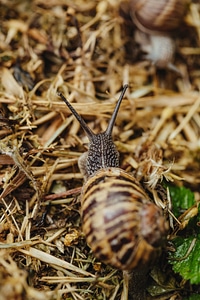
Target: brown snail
[
  {"x": 157, "y": 21},
  {"x": 122, "y": 226}
]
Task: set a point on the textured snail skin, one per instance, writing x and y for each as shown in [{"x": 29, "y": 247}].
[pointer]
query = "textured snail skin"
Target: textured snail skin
[{"x": 159, "y": 49}]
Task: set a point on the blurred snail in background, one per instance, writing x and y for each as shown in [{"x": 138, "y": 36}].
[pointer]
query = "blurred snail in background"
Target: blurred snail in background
[
  {"x": 122, "y": 226},
  {"x": 157, "y": 22}
]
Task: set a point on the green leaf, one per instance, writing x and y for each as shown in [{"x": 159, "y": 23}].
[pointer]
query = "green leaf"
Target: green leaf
[
  {"x": 182, "y": 199},
  {"x": 192, "y": 297},
  {"x": 186, "y": 259}
]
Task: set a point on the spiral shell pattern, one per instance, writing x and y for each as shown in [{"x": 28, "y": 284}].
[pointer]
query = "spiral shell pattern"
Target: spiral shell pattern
[
  {"x": 154, "y": 15},
  {"x": 122, "y": 226}
]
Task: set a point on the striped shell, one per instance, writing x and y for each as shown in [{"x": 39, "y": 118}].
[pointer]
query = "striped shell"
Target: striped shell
[
  {"x": 122, "y": 227},
  {"x": 154, "y": 15}
]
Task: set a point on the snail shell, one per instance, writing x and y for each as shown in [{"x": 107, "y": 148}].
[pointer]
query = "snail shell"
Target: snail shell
[
  {"x": 122, "y": 226},
  {"x": 156, "y": 22},
  {"x": 153, "y": 15}
]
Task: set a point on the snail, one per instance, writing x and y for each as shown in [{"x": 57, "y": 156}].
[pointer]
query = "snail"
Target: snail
[
  {"x": 157, "y": 21},
  {"x": 122, "y": 226}
]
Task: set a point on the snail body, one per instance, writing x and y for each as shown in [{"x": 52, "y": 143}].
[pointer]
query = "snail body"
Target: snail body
[
  {"x": 159, "y": 49},
  {"x": 122, "y": 226},
  {"x": 158, "y": 21}
]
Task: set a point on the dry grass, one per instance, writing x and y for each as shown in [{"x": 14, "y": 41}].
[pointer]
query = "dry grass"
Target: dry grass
[{"x": 81, "y": 48}]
